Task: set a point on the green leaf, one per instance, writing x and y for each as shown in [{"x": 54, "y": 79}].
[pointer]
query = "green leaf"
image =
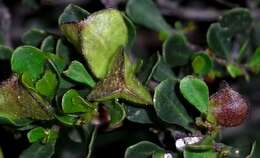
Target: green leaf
[
  {"x": 168, "y": 107},
  {"x": 176, "y": 51},
  {"x": 121, "y": 82},
  {"x": 147, "y": 14},
  {"x": 147, "y": 69},
  {"x": 99, "y": 40},
  {"x": 196, "y": 92},
  {"x": 117, "y": 114},
  {"x": 202, "y": 64},
  {"x": 48, "y": 44},
  {"x": 237, "y": 20},
  {"x": 77, "y": 72},
  {"x": 234, "y": 70},
  {"x": 162, "y": 71},
  {"x": 200, "y": 154},
  {"x": 38, "y": 150},
  {"x": 47, "y": 85},
  {"x": 219, "y": 40},
  {"x": 34, "y": 37},
  {"x": 64, "y": 84},
  {"x": 36, "y": 134},
  {"x": 142, "y": 149},
  {"x": 72, "y": 102},
  {"x": 58, "y": 63},
  {"x": 5, "y": 52},
  {"x": 254, "y": 61},
  {"x": 28, "y": 61},
  {"x": 72, "y": 13},
  {"x": 63, "y": 51},
  {"x": 67, "y": 119},
  {"x": 51, "y": 135},
  {"x": 131, "y": 31},
  {"x": 138, "y": 115}
]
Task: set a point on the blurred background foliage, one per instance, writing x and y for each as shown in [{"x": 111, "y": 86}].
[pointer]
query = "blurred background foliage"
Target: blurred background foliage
[{"x": 193, "y": 16}]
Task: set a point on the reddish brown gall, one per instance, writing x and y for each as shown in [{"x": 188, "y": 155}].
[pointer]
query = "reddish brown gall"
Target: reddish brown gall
[{"x": 229, "y": 107}]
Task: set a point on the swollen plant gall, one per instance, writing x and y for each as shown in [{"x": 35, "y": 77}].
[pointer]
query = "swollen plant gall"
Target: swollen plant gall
[{"x": 228, "y": 107}]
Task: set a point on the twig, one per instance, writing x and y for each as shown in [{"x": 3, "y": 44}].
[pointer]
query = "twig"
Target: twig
[
  {"x": 5, "y": 23},
  {"x": 228, "y": 4},
  {"x": 111, "y": 3},
  {"x": 90, "y": 146},
  {"x": 62, "y": 2},
  {"x": 200, "y": 14},
  {"x": 197, "y": 14}
]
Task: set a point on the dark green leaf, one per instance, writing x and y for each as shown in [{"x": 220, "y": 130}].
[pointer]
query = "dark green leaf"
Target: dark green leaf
[
  {"x": 5, "y": 53},
  {"x": 36, "y": 134},
  {"x": 77, "y": 72},
  {"x": 234, "y": 70},
  {"x": 162, "y": 71},
  {"x": 196, "y": 92},
  {"x": 63, "y": 51},
  {"x": 73, "y": 103},
  {"x": 34, "y": 37},
  {"x": 168, "y": 107},
  {"x": 146, "y": 13},
  {"x": 219, "y": 40},
  {"x": 51, "y": 135},
  {"x": 28, "y": 61},
  {"x": 56, "y": 62},
  {"x": 75, "y": 135},
  {"x": 48, "y": 44},
  {"x": 38, "y": 150},
  {"x": 254, "y": 61},
  {"x": 237, "y": 20},
  {"x": 142, "y": 149},
  {"x": 72, "y": 13},
  {"x": 176, "y": 51},
  {"x": 67, "y": 119},
  {"x": 147, "y": 69},
  {"x": 64, "y": 84},
  {"x": 117, "y": 114},
  {"x": 202, "y": 64},
  {"x": 47, "y": 85},
  {"x": 131, "y": 31},
  {"x": 138, "y": 115}
]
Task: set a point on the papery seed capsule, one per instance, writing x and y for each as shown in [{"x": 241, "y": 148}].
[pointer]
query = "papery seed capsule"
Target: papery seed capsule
[{"x": 229, "y": 107}]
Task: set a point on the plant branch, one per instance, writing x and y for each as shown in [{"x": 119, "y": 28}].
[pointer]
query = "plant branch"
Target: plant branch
[
  {"x": 5, "y": 23},
  {"x": 198, "y": 14},
  {"x": 91, "y": 144}
]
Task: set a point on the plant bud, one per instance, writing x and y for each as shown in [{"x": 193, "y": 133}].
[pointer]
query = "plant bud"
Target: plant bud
[{"x": 228, "y": 107}]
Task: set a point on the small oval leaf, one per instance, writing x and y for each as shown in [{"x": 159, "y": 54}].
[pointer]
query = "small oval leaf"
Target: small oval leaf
[
  {"x": 168, "y": 107},
  {"x": 77, "y": 72},
  {"x": 142, "y": 149},
  {"x": 196, "y": 92}
]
